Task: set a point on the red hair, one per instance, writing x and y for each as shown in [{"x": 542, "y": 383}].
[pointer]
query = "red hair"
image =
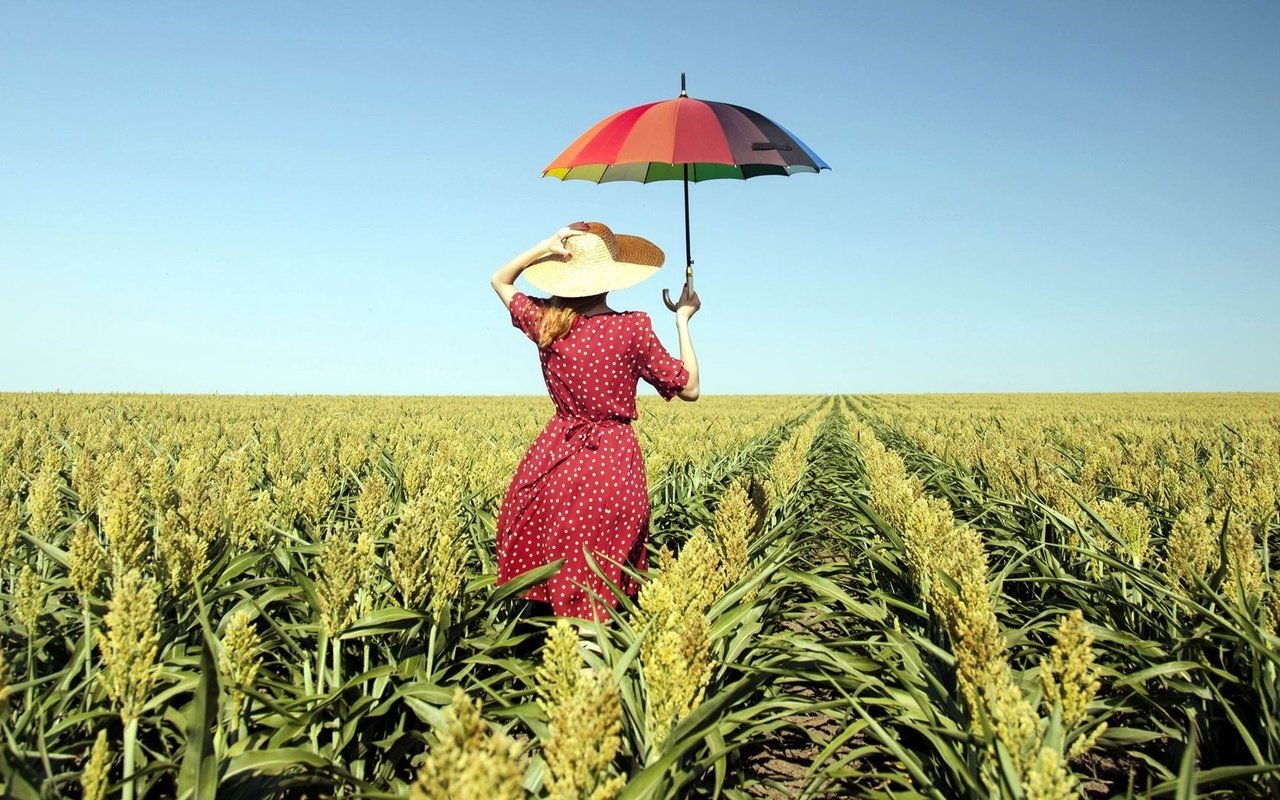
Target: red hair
[{"x": 559, "y": 314}]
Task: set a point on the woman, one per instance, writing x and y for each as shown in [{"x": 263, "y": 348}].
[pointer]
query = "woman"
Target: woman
[{"x": 580, "y": 489}]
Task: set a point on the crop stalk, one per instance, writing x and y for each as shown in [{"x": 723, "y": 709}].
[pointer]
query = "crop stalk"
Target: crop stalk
[
  {"x": 88, "y": 653},
  {"x": 130, "y": 746},
  {"x": 44, "y": 754},
  {"x": 337, "y": 684},
  {"x": 324, "y": 646},
  {"x": 31, "y": 669}
]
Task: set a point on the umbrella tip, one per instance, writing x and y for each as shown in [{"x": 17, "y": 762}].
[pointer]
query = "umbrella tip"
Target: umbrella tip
[{"x": 683, "y": 93}]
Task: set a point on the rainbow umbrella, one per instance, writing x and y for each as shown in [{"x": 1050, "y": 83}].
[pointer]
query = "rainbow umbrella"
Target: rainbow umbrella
[{"x": 683, "y": 139}]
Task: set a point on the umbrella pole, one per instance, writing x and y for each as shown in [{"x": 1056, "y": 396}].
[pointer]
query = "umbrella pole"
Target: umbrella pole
[{"x": 688, "y": 251}]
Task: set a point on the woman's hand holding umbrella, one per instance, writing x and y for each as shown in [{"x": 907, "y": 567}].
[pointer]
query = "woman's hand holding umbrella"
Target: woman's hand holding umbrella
[
  {"x": 688, "y": 304},
  {"x": 685, "y": 309}
]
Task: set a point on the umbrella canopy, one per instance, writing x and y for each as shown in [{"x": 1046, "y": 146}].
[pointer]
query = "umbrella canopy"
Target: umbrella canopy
[
  {"x": 683, "y": 139},
  {"x": 655, "y": 141}
]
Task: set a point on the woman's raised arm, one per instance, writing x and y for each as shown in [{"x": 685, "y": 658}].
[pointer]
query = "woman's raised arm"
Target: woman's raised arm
[
  {"x": 503, "y": 281},
  {"x": 685, "y": 309}
]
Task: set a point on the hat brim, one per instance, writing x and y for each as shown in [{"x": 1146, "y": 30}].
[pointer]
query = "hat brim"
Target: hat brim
[{"x": 638, "y": 259}]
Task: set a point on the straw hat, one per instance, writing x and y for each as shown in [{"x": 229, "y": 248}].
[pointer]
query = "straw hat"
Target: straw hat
[{"x": 602, "y": 261}]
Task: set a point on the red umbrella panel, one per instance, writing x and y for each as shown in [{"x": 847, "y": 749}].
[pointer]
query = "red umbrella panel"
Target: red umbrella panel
[{"x": 683, "y": 139}]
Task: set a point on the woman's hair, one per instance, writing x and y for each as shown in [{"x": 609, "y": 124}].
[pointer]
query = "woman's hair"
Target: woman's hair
[{"x": 558, "y": 316}]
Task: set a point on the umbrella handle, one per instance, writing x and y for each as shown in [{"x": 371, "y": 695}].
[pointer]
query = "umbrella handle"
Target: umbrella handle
[{"x": 688, "y": 279}]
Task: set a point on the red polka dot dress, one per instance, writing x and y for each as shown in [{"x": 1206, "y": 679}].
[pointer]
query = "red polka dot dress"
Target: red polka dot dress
[{"x": 580, "y": 488}]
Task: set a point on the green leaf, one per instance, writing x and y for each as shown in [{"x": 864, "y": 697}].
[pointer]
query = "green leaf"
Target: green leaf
[
  {"x": 198, "y": 777},
  {"x": 1186, "y": 772},
  {"x": 271, "y": 762},
  {"x": 384, "y": 620},
  {"x": 521, "y": 582}
]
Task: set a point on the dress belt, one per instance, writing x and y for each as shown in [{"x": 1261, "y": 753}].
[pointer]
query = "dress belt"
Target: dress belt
[
  {"x": 584, "y": 432},
  {"x": 587, "y": 429}
]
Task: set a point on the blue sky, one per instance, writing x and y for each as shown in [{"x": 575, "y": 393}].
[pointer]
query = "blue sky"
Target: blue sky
[{"x": 311, "y": 197}]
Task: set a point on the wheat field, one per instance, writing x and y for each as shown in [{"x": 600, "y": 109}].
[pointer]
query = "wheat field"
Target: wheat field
[{"x": 942, "y": 596}]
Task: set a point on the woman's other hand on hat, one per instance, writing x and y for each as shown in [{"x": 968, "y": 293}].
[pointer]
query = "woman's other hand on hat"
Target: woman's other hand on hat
[
  {"x": 504, "y": 279},
  {"x": 688, "y": 304},
  {"x": 556, "y": 243}
]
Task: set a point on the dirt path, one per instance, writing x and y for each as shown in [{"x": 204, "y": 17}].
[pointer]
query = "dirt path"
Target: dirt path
[{"x": 784, "y": 762}]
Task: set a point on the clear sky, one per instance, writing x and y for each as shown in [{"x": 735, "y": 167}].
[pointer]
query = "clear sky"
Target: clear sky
[{"x": 310, "y": 197}]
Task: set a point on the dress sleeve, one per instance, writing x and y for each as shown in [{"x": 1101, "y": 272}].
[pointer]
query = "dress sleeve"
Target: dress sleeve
[
  {"x": 525, "y": 314},
  {"x": 659, "y": 368}
]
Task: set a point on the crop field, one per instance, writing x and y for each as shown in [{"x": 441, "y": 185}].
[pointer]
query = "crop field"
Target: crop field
[{"x": 881, "y": 596}]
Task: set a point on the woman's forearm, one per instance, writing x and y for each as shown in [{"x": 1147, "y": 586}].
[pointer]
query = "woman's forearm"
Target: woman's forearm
[
  {"x": 688, "y": 358},
  {"x": 504, "y": 280},
  {"x": 508, "y": 272}
]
